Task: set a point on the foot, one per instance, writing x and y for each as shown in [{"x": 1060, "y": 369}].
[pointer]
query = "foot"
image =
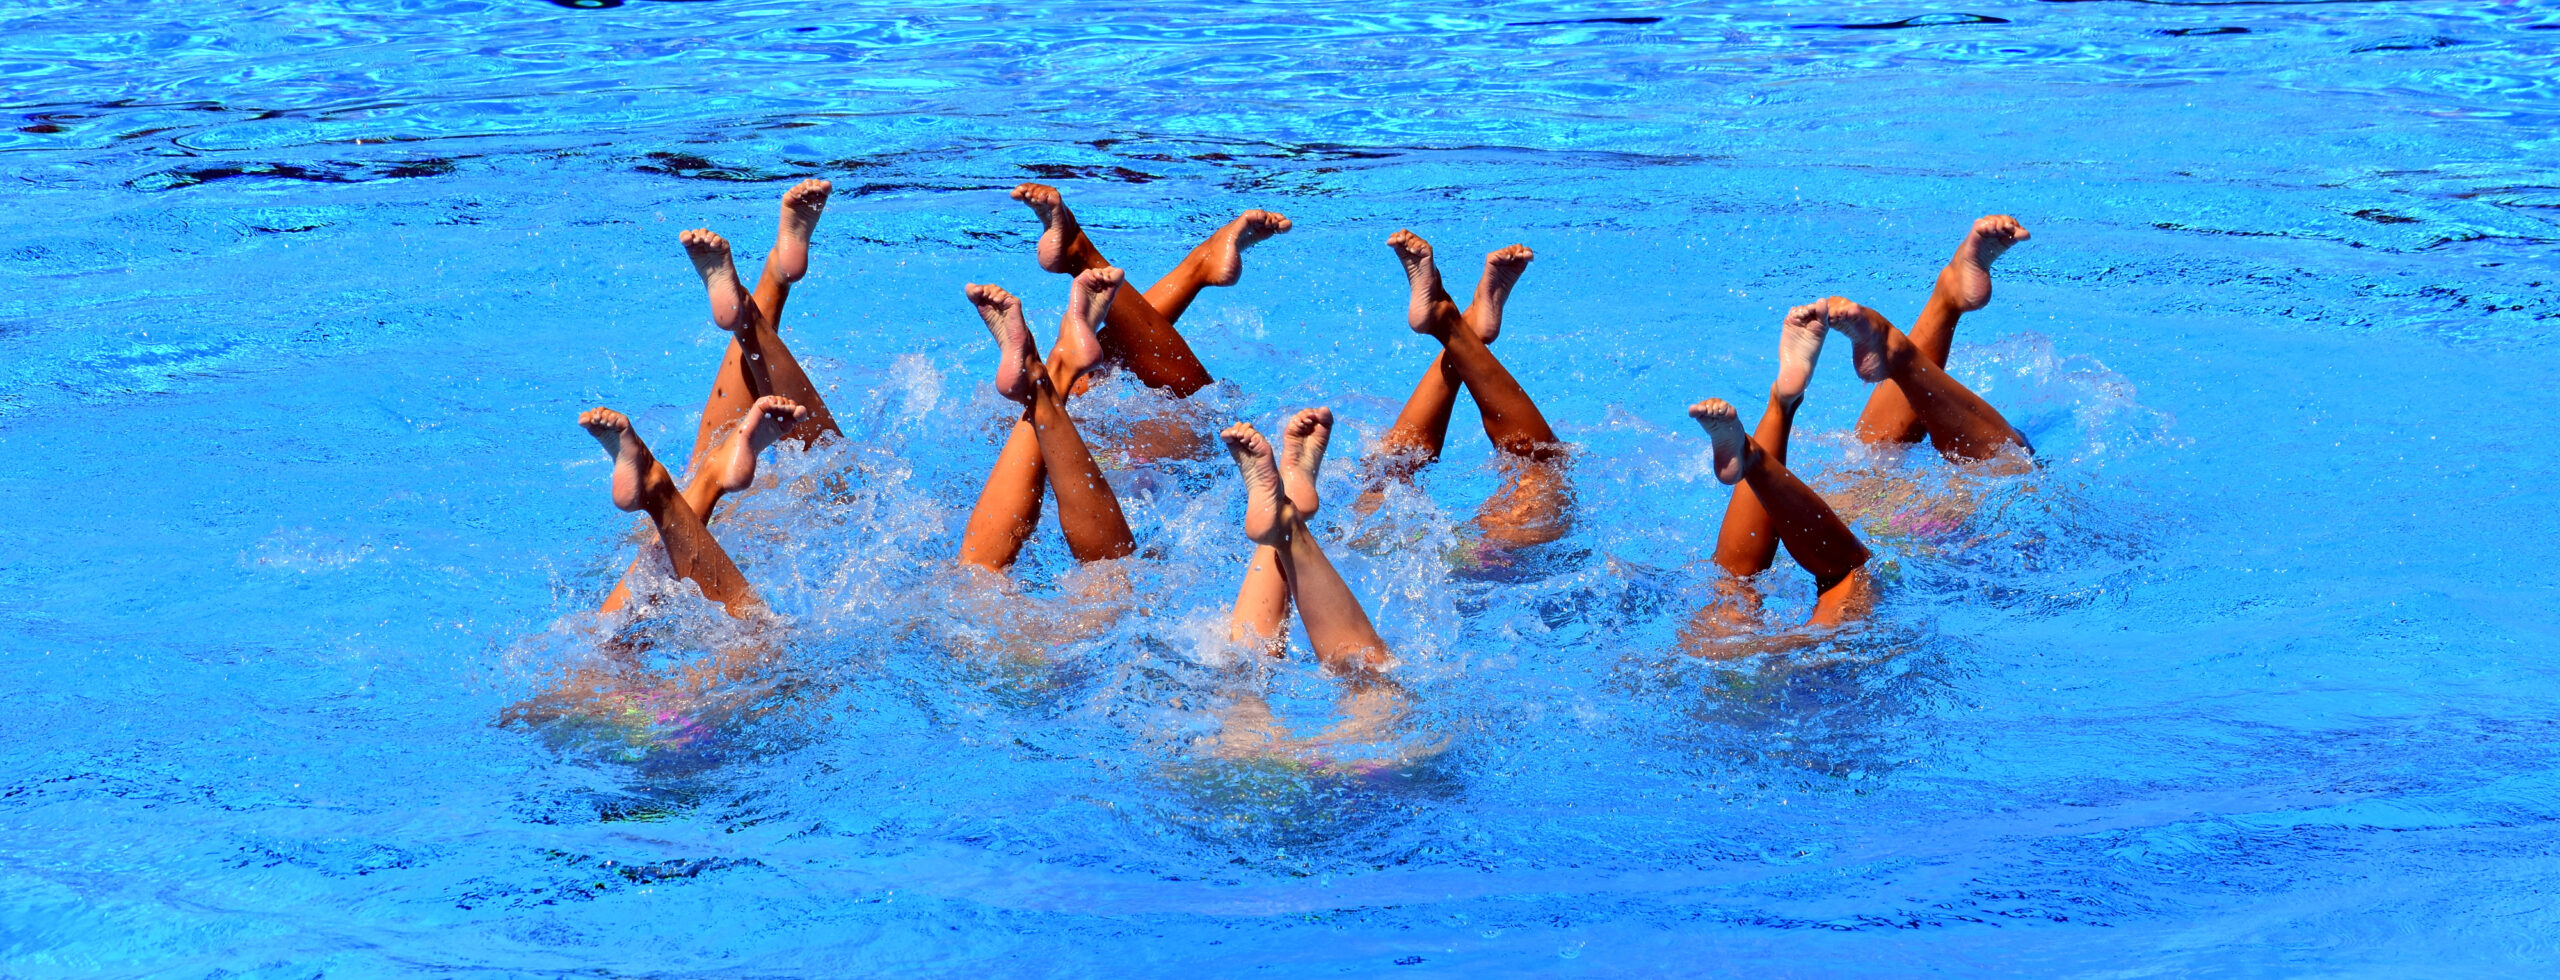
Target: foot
[
  {"x": 1058, "y": 228},
  {"x": 1267, "y": 512},
  {"x": 1868, "y": 336},
  {"x": 801, "y": 206},
  {"x": 1423, "y": 313},
  {"x": 1502, "y": 268},
  {"x": 1966, "y": 281},
  {"x": 1302, "y": 442},
  {"x": 1220, "y": 260},
  {"x": 1799, "y": 346},
  {"x": 1736, "y": 457},
  {"x": 710, "y": 254},
  {"x": 1088, "y": 304},
  {"x": 1015, "y": 358},
  {"x": 770, "y": 418},
  {"x": 632, "y": 463}
]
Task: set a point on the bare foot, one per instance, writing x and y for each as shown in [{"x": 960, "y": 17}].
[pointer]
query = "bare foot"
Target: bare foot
[
  {"x": 1799, "y": 346},
  {"x": 1220, "y": 260},
  {"x": 1736, "y": 457},
  {"x": 1967, "y": 278},
  {"x": 770, "y": 418},
  {"x": 801, "y": 207},
  {"x": 1867, "y": 336},
  {"x": 1058, "y": 228},
  {"x": 632, "y": 462},
  {"x": 1423, "y": 315},
  {"x": 1302, "y": 442},
  {"x": 1502, "y": 268},
  {"x": 1015, "y": 357},
  {"x": 710, "y": 254},
  {"x": 1088, "y": 303},
  {"x": 1267, "y": 512}
]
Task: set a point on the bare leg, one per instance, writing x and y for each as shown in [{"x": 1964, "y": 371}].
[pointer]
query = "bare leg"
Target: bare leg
[
  {"x": 1813, "y": 534},
  {"x": 1423, "y": 426},
  {"x": 1044, "y": 446},
  {"x": 757, "y": 362},
  {"x": 1960, "y": 423},
  {"x": 1137, "y": 335},
  {"x": 728, "y": 468},
  {"x": 1218, "y": 261},
  {"x": 1009, "y": 508},
  {"x": 1337, "y": 628},
  {"x": 1748, "y": 542},
  {"x": 1962, "y": 287},
  {"x": 1511, "y": 419},
  {"x": 640, "y": 483},
  {"x": 1262, "y": 603}
]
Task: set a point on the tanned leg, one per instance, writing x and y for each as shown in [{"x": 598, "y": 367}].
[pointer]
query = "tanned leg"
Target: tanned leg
[
  {"x": 640, "y": 483},
  {"x": 1748, "y": 542},
  {"x": 1813, "y": 534},
  {"x": 1420, "y": 430},
  {"x": 1009, "y": 508},
  {"x": 728, "y": 468},
  {"x": 1087, "y": 509},
  {"x": 1962, "y": 287},
  {"x": 1138, "y": 335},
  {"x": 1511, "y": 419},
  {"x": 757, "y": 362},
  {"x": 1337, "y": 628},
  {"x": 1961, "y": 425},
  {"x": 1218, "y": 261},
  {"x": 1262, "y": 603}
]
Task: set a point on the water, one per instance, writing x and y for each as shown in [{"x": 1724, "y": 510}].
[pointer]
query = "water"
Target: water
[{"x": 2248, "y": 680}]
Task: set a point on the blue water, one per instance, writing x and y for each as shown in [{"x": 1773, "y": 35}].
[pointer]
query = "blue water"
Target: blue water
[{"x": 301, "y": 300}]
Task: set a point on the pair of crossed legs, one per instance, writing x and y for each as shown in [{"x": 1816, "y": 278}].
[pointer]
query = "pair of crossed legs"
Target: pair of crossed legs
[
  {"x": 1914, "y": 398},
  {"x": 757, "y": 364},
  {"x": 1534, "y": 504}
]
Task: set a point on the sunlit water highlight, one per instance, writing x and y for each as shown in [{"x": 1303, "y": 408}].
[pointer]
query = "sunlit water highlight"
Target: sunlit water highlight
[{"x": 2249, "y": 677}]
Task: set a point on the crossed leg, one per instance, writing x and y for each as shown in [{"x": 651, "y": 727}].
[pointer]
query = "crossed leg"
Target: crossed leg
[
  {"x": 1960, "y": 424},
  {"x": 1801, "y": 520},
  {"x": 757, "y": 362},
  {"x": 1140, "y": 331},
  {"x": 1288, "y": 564},
  {"x": 1044, "y": 447},
  {"x": 1534, "y": 505},
  {"x": 641, "y": 483},
  {"x": 1963, "y": 286}
]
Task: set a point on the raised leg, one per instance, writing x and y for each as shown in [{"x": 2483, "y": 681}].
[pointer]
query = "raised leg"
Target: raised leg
[
  {"x": 1422, "y": 428},
  {"x": 1137, "y": 334},
  {"x": 1217, "y": 261},
  {"x": 1262, "y": 602},
  {"x": 1044, "y": 448},
  {"x": 757, "y": 362},
  {"x": 728, "y": 468},
  {"x": 1748, "y": 541},
  {"x": 1812, "y": 533},
  {"x": 1960, "y": 423},
  {"x": 1337, "y": 628},
  {"x": 1511, "y": 419},
  {"x": 1962, "y": 287},
  {"x": 640, "y": 483}
]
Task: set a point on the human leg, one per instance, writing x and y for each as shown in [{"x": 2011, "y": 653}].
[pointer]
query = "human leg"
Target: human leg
[
  {"x": 1962, "y": 287},
  {"x": 728, "y": 468},
  {"x": 640, "y": 483},
  {"x": 1137, "y": 334},
  {"x": 1422, "y": 427},
  {"x": 1216, "y": 261},
  {"x": 1960, "y": 423},
  {"x": 1337, "y": 628},
  {"x": 1262, "y": 602},
  {"x": 757, "y": 362},
  {"x": 1803, "y": 521},
  {"x": 1748, "y": 541},
  {"x": 1511, "y": 419},
  {"x": 1088, "y": 511}
]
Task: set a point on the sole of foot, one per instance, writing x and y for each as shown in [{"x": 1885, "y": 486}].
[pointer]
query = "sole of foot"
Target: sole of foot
[
  {"x": 1220, "y": 260},
  {"x": 802, "y": 205},
  {"x": 1799, "y": 348},
  {"x": 1302, "y": 444},
  {"x": 1502, "y": 269},
  {"x": 1724, "y": 427},
  {"x": 1967, "y": 278},
  {"x": 631, "y": 459},
  {"x": 1058, "y": 228},
  {"x": 1868, "y": 341},
  {"x": 711, "y": 259},
  {"x": 1079, "y": 331},
  {"x": 1014, "y": 354},
  {"x": 1267, "y": 512},
  {"x": 1423, "y": 313}
]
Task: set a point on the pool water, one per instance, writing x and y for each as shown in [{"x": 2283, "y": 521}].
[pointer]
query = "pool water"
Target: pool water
[{"x": 302, "y": 300}]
